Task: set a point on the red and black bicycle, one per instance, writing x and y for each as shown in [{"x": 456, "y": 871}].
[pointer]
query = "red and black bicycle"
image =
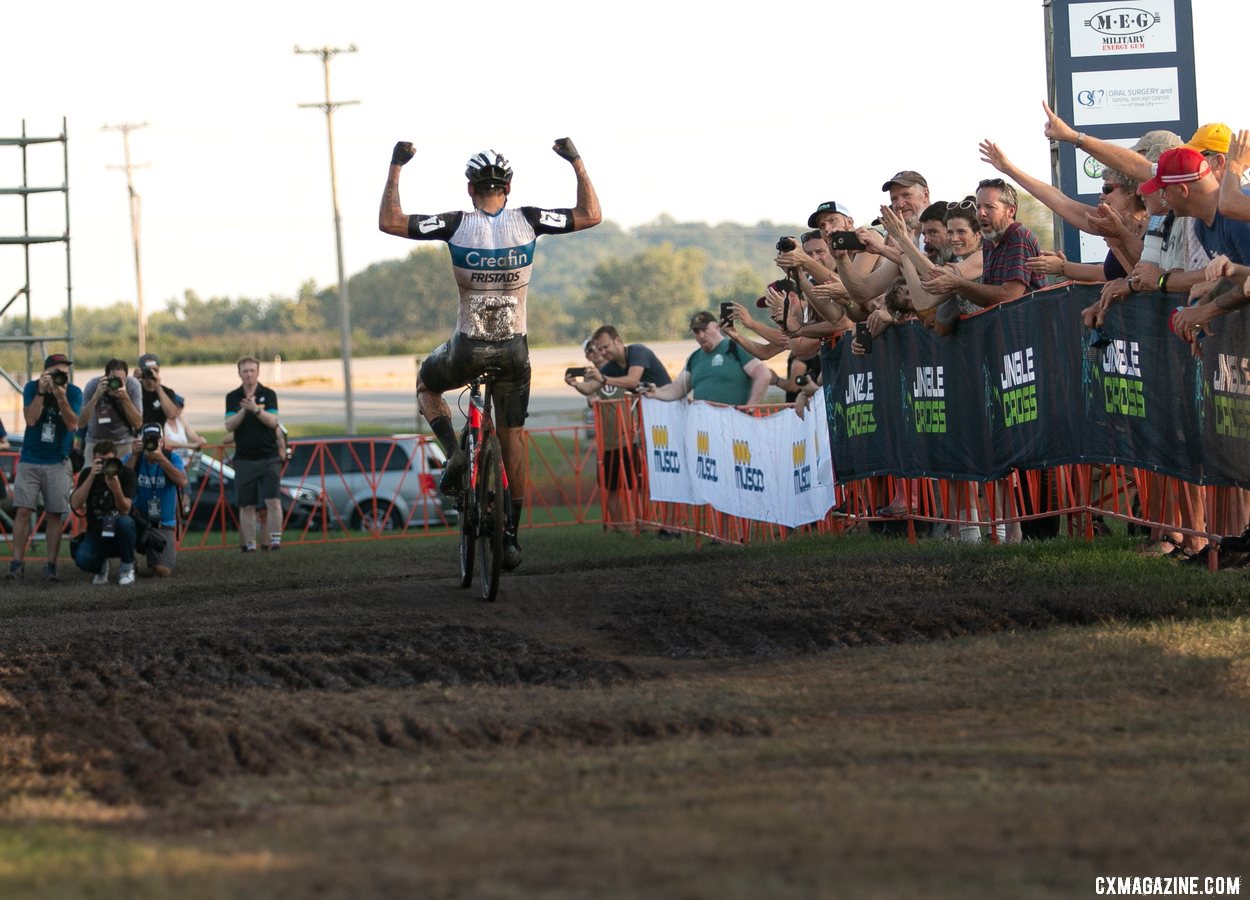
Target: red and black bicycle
[{"x": 484, "y": 503}]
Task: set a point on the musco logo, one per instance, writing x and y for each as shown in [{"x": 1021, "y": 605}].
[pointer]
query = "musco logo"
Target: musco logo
[
  {"x": 664, "y": 459},
  {"x": 802, "y": 469},
  {"x": 1122, "y": 388},
  {"x": 704, "y": 462},
  {"x": 746, "y": 476}
]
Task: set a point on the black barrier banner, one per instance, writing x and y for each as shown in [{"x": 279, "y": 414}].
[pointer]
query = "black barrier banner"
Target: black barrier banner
[{"x": 1018, "y": 387}]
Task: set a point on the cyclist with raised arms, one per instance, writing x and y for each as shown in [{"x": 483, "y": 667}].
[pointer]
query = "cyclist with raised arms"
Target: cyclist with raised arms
[{"x": 492, "y": 252}]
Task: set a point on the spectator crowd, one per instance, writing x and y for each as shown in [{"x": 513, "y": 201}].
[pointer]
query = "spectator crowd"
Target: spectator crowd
[{"x": 1172, "y": 213}]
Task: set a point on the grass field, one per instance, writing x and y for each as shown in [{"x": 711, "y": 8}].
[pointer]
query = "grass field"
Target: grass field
[{"x": 820, "y": 718}]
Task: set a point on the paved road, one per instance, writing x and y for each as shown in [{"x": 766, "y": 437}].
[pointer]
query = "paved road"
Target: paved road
[{"x": 311, "y": 391}]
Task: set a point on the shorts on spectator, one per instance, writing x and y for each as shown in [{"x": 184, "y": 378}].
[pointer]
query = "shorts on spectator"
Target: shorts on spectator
[
  {"x": 256, "y": 480},
  {"x": 52, "y": 481}
]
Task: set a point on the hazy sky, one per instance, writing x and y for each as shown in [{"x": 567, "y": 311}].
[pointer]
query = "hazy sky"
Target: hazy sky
[{"x": 705, "y": 111}]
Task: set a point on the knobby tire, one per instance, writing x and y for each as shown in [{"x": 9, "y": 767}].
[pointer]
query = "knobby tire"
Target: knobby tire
[{"x": 492, "y": 517}]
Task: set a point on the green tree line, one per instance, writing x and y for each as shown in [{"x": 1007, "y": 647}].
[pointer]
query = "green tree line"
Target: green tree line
[{"x": 647, "y": 281}]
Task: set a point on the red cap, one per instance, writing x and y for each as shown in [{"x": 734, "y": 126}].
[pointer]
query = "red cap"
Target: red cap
[{"x": 1177, "y": 166}]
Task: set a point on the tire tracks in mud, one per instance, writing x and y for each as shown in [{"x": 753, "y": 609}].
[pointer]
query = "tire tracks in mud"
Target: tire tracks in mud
[{"x": 146, "y": 704}]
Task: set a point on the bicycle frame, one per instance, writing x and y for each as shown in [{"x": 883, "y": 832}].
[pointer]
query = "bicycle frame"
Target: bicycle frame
[{"x": 481, "y": 423}]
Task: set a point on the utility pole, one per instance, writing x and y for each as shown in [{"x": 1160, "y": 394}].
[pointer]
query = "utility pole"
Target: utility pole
[
  {"x": 345, "y": 319},
  {"x": 128, "y": 168}
]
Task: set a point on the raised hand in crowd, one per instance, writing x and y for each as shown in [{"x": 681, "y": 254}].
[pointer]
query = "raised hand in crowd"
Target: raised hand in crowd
[
  {"x": 873, "y": 242},
  {"x": 895, "y": 226},
  {"x": 1233, "y": 203},
  {"x": 1056, "y": 129},
  {"x": 990, "y": 153}
]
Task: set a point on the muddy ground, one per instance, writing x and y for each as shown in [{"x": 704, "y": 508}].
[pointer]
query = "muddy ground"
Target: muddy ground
[{"x": 156, "y": 703}]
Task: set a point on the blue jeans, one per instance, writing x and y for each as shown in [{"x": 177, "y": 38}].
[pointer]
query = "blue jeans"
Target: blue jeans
[{"x": 94, "y": 551}]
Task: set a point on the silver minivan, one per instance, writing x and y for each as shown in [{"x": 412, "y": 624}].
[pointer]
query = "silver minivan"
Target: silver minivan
[{"x": 372, "y": 484}]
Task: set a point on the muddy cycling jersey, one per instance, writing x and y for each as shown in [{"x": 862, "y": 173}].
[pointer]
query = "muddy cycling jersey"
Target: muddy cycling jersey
[{"x": 492, "y": 256}]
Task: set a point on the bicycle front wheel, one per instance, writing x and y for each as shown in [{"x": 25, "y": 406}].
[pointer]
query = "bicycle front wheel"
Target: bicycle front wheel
[
  {"x": 492, "y": 516},
  {"x": 468, "y": 512}
]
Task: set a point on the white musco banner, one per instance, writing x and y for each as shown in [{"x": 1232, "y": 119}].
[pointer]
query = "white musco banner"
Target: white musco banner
[{"x": 776, "y": 469}]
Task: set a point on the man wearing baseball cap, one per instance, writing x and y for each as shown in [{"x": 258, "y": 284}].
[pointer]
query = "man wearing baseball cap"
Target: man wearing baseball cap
[
  {"x": 1189, "y": 185},
  {"x": 909, "y": 197},
  {"x": 159, "y": 402},
  {"x": 831, "y": 216},
  {"x": 51, "y": 406}
]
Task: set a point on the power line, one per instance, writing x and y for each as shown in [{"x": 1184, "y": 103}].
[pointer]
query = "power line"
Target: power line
[
  {"x": 345, "y": 327},
  {"x": 135, "y": 204}
]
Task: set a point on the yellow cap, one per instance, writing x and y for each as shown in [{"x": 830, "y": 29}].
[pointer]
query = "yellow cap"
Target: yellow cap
[{"x": 1211, "y": 138}]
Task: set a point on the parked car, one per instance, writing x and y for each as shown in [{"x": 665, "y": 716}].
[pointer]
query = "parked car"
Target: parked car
[
  {"x": 373, "y": 483},
  {"x": 208, "y": 478}
]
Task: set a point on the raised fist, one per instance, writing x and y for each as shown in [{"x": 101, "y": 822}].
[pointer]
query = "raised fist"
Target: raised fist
[
  {"x": 564, "y": 147},
  {"x": 403, "y": 152}
]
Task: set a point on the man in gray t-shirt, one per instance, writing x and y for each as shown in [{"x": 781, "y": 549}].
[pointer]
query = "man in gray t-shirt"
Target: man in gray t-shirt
[{"x": 112, "y": 408}]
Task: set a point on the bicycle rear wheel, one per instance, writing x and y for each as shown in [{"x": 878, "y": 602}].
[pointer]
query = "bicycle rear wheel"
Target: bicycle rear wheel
[{"x": 492, "y": 516}]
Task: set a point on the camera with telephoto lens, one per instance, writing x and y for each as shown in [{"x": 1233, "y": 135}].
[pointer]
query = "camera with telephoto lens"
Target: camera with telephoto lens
[
  {"x": 148, "y": 373},
  {"x": 113, "y": 383},
  {"x": 786, "y": 244},
  {"x": 151, "y": 443},
  {"x": 59, "y": 378},
  {"x": 111, "y": 466},
  {"x": 801, "y": 380}
]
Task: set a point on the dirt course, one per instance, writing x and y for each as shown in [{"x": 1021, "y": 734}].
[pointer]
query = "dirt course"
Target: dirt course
[
  {"x": 142, "y": 705},
  {"x": 153, "y": 704}
]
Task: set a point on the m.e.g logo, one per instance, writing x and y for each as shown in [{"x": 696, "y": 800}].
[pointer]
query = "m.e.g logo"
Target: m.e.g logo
[
  {"x": 704, "y": 462},
  {"x": 746, "y": 476},
  {"x": 663, "y": 458},
  {"x": 1123, "y": 21}
]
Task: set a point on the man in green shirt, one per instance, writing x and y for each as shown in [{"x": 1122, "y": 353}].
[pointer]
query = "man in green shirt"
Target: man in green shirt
[{"x": 719, "y": 371}]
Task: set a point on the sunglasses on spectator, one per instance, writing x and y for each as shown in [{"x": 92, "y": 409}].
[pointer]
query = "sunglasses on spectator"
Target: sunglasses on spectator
[
  {"x": 1108, "y": 188},
  {"x": 962, "y": 204},
  {"x": 1007, "y": 191}
]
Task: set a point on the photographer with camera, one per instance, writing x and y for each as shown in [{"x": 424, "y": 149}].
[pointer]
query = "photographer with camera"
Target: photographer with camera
[
  {"x": 105, "y": 494},
  {"x": 51, "y": 407},
  {"x": 160, "y": 476},
  {"x": 112, "y": 407},
  {"x": 160, "y": 403}
]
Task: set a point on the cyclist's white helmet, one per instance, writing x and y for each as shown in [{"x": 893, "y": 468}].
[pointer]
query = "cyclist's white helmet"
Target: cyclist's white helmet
[{"x": 489, "y": 168}]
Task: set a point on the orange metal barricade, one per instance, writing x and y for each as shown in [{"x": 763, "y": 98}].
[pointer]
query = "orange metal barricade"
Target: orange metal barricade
[
  {"x": 1077, "y": 496},
  {"x": 569, "y": 472}
]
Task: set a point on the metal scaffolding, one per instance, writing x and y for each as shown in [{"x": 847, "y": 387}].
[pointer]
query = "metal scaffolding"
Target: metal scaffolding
[{"x": 25, "y": 240}]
